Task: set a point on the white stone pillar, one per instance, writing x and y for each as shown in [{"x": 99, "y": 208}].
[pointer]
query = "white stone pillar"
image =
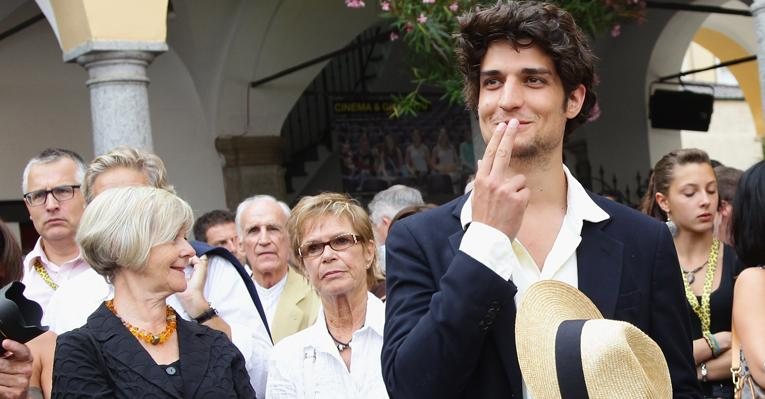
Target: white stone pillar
[
  {"x": 758, "y": 13},
  {"x": 119, "y": 102}
]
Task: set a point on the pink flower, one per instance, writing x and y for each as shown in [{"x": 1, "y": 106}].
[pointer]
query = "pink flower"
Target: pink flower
[
  {"x": 408, "y": 27},
  {"x": 354, "y": 3},
  {"x": 428, "y": 1},
  {"x": 385, "y": 6},
  {"x": 393, "y": 36},
  {"x": 454, "y": 6},
  {"x": 422, "y": 18},
  {"x": 616, "y": 30}
]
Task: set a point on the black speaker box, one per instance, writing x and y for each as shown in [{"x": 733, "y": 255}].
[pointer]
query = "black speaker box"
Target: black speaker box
[{"x": 686, "y": 110}]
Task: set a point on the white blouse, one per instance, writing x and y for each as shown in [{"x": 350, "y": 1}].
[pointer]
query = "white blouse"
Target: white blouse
[{"x": 308, "y": 365}]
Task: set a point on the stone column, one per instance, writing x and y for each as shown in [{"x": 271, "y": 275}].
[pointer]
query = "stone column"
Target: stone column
[
  {"x": 119, "y": 101},
  {"x": 758, "y": 13},
  {"x": 253, "y": 165}
]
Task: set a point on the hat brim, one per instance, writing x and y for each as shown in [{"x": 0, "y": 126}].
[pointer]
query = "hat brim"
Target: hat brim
[
  {"x": 623, "y": 362},
  {"x": 546, "y": 305}
]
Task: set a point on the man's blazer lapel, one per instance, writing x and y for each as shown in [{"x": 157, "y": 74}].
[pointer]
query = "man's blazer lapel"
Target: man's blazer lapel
[
  {"x": 456, "y": 238},
  {"x": 117, "y": 343},
  {"x": 599, "y": 262}
]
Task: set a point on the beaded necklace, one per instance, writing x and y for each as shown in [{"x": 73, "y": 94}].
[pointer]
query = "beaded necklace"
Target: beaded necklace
[
  {"x": 40, "y": 269},
  {"x": 702, "y": 309},
  {"x": 146, "y": 336}
]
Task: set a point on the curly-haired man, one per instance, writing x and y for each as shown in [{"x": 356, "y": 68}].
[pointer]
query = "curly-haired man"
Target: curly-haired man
[{"x": 456, "y": 274}]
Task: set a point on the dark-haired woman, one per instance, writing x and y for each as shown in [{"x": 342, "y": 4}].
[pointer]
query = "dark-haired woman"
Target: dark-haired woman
[
  {"x": 10, "y": 257},
  {"x": 748, "y": 228},
  {"x": 683, "y": 192}
]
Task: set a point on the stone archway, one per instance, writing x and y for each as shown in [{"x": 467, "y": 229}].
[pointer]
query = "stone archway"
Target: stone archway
[{"x": 727, "y": 37}]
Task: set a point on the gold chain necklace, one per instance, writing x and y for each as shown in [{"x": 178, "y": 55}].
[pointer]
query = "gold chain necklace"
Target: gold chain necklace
[
  {"x": 40, "y": 269},
  {"x": 702, "y": 309},
  {"x": 146, "y": 336}
]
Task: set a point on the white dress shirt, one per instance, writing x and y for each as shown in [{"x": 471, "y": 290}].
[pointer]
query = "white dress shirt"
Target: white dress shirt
[
  {"x": 269, "y": 297},
  {"x": 36, "y": 288},
  {"x": 73, "y": 303},
  {"x": 512, "y": 261},
  {"x": 308, "y": 365}
]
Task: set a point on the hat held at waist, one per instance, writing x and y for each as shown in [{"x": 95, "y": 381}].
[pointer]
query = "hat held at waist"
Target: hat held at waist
[{"x": 567, "y": 350}]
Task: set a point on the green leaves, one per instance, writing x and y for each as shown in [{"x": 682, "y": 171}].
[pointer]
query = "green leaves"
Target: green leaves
[{"x": 428, "y": 26}]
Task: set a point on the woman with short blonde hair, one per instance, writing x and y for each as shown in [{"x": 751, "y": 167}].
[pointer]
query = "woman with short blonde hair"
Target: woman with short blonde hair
[
  {"x": 135, "y": 344},
  {"x": 339, "y": 356}
]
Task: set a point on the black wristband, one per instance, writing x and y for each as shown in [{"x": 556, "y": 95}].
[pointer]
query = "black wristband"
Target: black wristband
[{"x": 206, "y": 315}]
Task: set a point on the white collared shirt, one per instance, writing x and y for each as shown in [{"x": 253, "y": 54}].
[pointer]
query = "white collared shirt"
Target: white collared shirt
[
  {"x": 36, "y": 288},
  {"x": 307, "y": 364},
  {"x": 269, "y": 297},
  {"x": 511, "y": 260},
  {"x": 73, "y": 303}
]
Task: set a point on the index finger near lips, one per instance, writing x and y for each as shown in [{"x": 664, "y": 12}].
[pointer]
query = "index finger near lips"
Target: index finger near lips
[
  {"x": 505, "y": 149},
  {"x": 485, "y": 166}
]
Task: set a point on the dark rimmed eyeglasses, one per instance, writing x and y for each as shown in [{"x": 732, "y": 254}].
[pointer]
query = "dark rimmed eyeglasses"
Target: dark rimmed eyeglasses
[
  {"x": 60, "y": 193},
  {"x": 338, "y": 243}
]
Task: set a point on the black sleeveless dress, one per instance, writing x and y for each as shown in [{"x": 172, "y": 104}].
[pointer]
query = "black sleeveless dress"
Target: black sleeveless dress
[{"x": 721, "y": 309}]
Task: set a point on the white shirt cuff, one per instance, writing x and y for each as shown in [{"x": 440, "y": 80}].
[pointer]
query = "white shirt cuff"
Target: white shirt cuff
[{"x": 490, "y": 247}]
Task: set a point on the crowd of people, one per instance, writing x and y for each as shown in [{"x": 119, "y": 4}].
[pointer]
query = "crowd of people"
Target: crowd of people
[
  {"x": 438, "y": 162},
  {"x": 405, "y": 299}
]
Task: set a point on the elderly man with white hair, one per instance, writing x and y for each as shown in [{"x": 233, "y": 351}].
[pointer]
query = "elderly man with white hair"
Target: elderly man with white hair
[
  {"x": 289, "y": 302},
  {"x": 384, "y": 206}
]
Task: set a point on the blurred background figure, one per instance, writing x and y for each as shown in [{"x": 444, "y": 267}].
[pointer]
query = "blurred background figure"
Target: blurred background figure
[
  {"x": 417, "y": 156},
  {"x": 338, "y": 356},
  {"x": 683, "y": 191},
  {"x": 444, "y": 157},
  {"x": 467, "y": 154},
  {"x": 135, "y": 344},
  {"x": 727, "y": 180},
  {"x": 384, "y": 206},
  {"x": 390, "y": 163},
  {"x": 748, "y": 228},
  {"x": 409, "y": 211},
  {"x": 218, "y": 229},
  {"x": 10, "y": 257},
  {"x": 614, "y": 195}
]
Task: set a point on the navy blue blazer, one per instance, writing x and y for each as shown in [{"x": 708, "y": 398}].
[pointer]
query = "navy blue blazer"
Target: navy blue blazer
[
  {"x": 450, "y": 321},
  {"x": 103, "y": 360}
]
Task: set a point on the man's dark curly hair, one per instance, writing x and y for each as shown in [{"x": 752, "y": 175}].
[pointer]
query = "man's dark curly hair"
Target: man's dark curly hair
[{"x": 526, "y": 24}]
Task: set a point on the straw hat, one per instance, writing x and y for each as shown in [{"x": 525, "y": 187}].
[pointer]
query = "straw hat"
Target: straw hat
[{"x": 614, "y": 359}]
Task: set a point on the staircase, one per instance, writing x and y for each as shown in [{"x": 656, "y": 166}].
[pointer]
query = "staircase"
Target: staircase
[{"x": 307, "y": 132}]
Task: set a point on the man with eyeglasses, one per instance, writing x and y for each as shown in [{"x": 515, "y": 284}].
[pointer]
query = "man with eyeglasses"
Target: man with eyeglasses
[
  {"x": 51, "y": 186},
  {"x": 289, "y": 301}
]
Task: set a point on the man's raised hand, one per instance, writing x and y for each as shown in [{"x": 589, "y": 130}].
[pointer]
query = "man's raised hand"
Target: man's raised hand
[{"x": 500, "y": 196}]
